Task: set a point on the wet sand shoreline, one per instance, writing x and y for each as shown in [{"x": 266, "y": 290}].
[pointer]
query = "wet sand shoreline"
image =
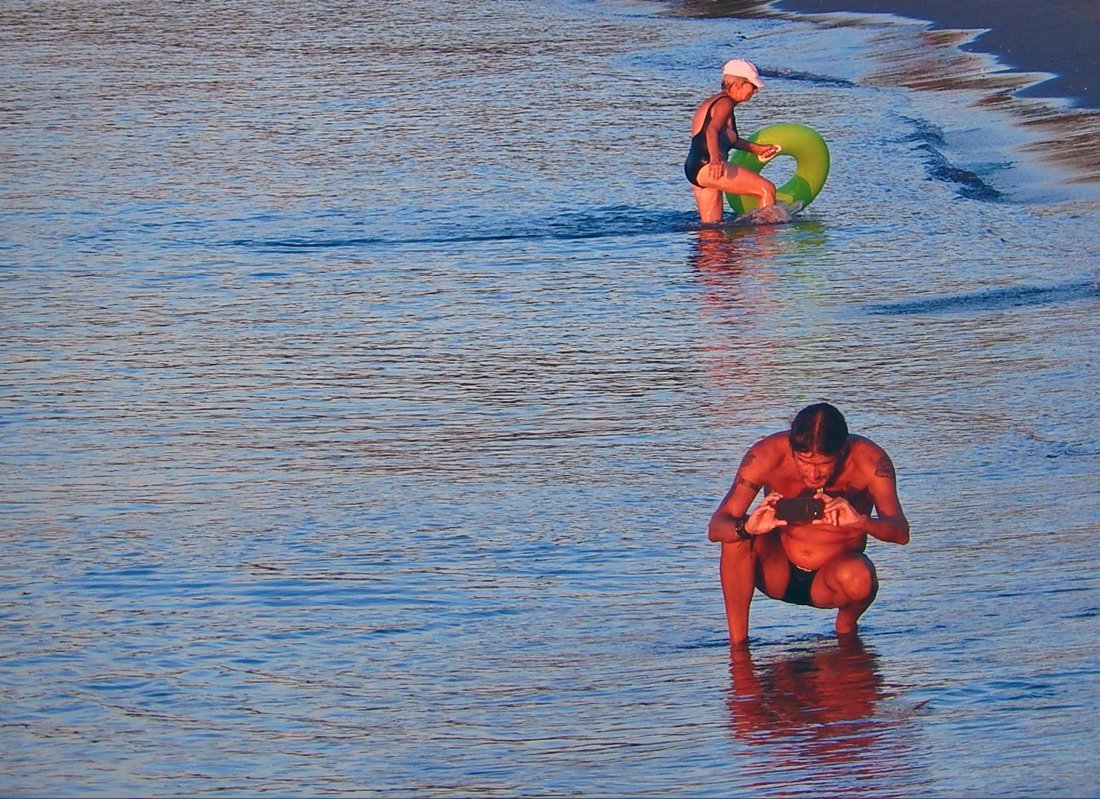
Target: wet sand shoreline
[
  {"x": 1025, "y": 39},
  {"x": 1060, "y": 36}
]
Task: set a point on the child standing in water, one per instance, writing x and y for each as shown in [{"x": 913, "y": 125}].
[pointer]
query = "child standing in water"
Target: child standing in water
[{"x": 714, "y": 134}]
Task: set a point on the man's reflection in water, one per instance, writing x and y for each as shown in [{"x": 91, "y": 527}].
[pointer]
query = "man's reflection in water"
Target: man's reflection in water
[{"x": 822, "y": 698}]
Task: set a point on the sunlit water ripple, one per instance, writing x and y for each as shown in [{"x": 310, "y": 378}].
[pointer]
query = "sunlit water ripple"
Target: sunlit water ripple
[{"x": 369, "y": 385}]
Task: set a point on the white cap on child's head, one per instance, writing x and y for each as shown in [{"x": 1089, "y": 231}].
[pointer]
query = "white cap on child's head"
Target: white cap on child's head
[{"x": 740, "y": 68}]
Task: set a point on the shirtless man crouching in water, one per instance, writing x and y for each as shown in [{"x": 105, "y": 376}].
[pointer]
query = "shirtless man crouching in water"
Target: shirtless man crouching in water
[{"x": 820, "y": 562}]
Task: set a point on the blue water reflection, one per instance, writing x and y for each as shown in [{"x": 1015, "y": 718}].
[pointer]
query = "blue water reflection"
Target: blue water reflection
[{"x": 344, "y": 459}]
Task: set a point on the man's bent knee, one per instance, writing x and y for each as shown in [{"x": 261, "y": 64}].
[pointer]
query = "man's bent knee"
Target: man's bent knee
[{"x": 853, "y": 578}]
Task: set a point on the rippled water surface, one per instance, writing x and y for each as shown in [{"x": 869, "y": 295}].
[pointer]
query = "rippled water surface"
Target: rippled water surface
[{"x": 368, "y": 385}]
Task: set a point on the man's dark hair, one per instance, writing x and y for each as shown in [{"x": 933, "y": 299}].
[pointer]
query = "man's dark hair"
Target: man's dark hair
[{"x": 819, "y": 429}]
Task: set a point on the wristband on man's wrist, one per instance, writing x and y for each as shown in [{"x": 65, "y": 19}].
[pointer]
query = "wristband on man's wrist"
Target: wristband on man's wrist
[{"x": 739, "y": 526}]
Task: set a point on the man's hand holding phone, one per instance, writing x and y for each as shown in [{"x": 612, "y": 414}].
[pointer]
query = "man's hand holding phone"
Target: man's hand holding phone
[
  {"x": 762, "y": 520},
  {"x": 776, "y": 511},
  {"x": 840, "y": 513},
  {"x": 839, "y": 519}
]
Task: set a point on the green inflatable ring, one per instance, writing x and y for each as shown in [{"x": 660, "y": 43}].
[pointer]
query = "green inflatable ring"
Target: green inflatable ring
[{"x": 810, "y": 153}]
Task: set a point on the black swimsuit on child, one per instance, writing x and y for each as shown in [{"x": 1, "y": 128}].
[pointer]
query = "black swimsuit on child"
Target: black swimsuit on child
[{"x": 698, "y": 156}]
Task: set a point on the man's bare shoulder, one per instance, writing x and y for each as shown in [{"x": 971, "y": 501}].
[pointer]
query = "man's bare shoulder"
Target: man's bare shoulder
[
  {"x": 869, "y": 457},
  {"x": 758, "y": 463},
  {"x": 767, "y": 452},
  {"x": 771, "y": 445}
]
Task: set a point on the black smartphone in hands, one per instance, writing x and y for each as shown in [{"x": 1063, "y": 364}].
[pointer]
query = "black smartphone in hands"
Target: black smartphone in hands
[{"x": 799, "y": 509}]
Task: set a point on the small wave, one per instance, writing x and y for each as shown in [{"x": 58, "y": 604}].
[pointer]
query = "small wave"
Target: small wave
[
  {"x": 929, "y": 139},
  {"x": 594, "y": 223},
  {"x": 301, "y": 243},
  {"x": 991, "y": 300},
  {"x": 809, "y": 77}
]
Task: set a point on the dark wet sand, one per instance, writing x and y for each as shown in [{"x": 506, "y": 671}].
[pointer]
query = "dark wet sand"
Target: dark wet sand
[{"x": 1056, "y": 36}]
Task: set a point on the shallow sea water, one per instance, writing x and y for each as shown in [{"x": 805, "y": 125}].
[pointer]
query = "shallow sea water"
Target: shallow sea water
[{"x": 368, "y": 385}]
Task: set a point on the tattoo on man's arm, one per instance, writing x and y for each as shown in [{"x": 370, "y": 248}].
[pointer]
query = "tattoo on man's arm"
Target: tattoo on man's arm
[
  {"x": 884, "y": 468},
  {"x": 739, "y": 480},
  {"x": 742, "y": 481}
]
